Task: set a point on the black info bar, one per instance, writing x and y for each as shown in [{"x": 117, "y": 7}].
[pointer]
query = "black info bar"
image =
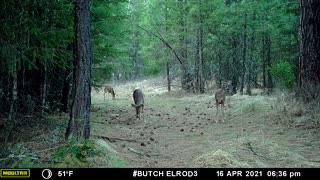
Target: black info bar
[{"x": 161, "y": 173}]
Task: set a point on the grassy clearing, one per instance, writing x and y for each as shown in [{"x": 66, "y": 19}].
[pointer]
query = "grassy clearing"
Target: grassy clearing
[{"x": 178, "y": 131}]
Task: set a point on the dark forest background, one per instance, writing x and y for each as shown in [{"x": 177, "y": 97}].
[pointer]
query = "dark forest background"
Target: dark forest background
[{"x": 52, "y": 53}]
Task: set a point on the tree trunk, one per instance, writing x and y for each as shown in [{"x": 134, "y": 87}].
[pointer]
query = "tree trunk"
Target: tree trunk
[
  {"x": 249, "y": 77},
  {"x": 234, "y": 66},
  {"x": 200, "y": 64},
  {"x": 66, "y": 81},
  {"x": 168, "y": 76},
  {"x": 269, "y": 64},
  {"x": 167, "y": 55},
  {"x": 309, "y": 60},
  {"x": 44, "y": 90},
  {"x": 220, "y": 69},
  {"x": 10, "y": 123},
  {"x": 251, "y": 59},
  {"x": 244, "y": 54},
  {"x": 186, "y": 78},
  {"x": 135, "y": 56},
  {"x": 264, "y": 82},
  {"x": 79, "y": 123},
  {"x": 65, "y": 91}
]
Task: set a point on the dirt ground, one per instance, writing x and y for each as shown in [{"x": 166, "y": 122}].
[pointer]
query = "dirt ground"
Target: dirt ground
[{"x": 179, "y": 130}]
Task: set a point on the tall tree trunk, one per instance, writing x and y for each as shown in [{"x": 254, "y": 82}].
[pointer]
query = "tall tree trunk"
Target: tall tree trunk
[
  {"x": 218, "y": 56},
  {"x": 10, "y": 124},
  {"x": 65, "y": 91},
  {"x": 200, "y": 64},
  {"x": 168, "y": 76},
  {"x": 249, "y": 76},
  {"x": 44, "y": 90},
  {"x": 264, "y": 82},
  {"x": 66, "y": 80},
  {"x": 269, "y": 64},
  {"x": 167, "y": 55},
  {"x": 234, "y": 67},
  {"x": 186, "y": 79},
  {"x": 244, "y": 54},
  {"x": 251, "y": 59},
  {"x": 135, "y": 56},
  {"x": 309, "y": 61},
  {"x": 79, "y": 123}
]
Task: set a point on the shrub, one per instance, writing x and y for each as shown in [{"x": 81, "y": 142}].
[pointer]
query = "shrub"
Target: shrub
[
  {"x": 283, "y": 74},
  {"x": 74, "y": 149}
]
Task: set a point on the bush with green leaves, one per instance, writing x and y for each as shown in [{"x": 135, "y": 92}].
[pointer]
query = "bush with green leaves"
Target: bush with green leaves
[
  {"x": 283, "y": 74},
  {"x": 75, "y": 150}
]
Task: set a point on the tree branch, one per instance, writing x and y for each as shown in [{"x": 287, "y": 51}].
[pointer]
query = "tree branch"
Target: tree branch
[{"x": 160, "y": 37}]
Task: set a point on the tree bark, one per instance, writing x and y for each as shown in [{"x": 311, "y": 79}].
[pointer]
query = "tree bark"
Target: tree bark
[
  {"x": 234, "y": 67},
  {"x": 251, "y": 59},
  {"x": 269, "y": 64},
  {"x": 66, "y": 81},
  {"x": 135, "y": 56},
  {"x": 309, "y": 60},
  {"x": 244, "y": 54},
  {"x": 200, "y": 64},
  {"x": 186, "y": 78},
  {"x": 44, "y": 89},
  {"x": 264, "y": 84},
  {"x": 167, "y": 55},
  {"x": 79, "y": 123},
  {"x": 10, "y": 124},
  {"x": 168, "y": 77}
]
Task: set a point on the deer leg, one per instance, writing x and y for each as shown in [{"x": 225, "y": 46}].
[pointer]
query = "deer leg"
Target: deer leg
[
  {"x": 137, "y": 113},
  {"x": 222, "y": 108},
  {"x": 217, "y": 107},
  {"x": 142, "y": 110}
]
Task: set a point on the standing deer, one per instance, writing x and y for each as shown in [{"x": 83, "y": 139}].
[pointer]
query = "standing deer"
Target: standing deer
[
  {"x": 220, "y": 97},
  {"x": 109, "y": 89},
  {"x": 138, "y": 98}
]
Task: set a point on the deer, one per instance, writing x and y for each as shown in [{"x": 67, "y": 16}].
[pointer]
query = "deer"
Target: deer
[
  {"x": 138, "y": 98},
  {"x": 109, "y": 89},
  {"x": 220, "y": 97}
]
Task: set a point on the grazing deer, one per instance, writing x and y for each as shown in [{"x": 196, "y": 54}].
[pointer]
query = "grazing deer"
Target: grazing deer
[
  {"x": 220, "y": 97},
  {"x": 109, "y": 89},
  {"x": 138, "y": 98}
]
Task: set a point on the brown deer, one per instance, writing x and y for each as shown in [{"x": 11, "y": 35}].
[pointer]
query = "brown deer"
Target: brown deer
[
  {"x": 109, "y": 89},
  {"x": 138, "y": 98},
  {"x": 220, "y": 98}
]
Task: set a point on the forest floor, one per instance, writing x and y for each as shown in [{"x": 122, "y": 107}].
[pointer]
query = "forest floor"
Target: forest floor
[{"x": 179, "y": 130}]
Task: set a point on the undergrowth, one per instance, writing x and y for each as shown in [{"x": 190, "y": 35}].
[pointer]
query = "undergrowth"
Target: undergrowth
[{"x": 75, "y": 154}]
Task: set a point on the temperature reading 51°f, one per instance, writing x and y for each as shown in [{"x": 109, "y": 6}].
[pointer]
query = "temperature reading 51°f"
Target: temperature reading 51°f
[{"x": 65, "y": 173}]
